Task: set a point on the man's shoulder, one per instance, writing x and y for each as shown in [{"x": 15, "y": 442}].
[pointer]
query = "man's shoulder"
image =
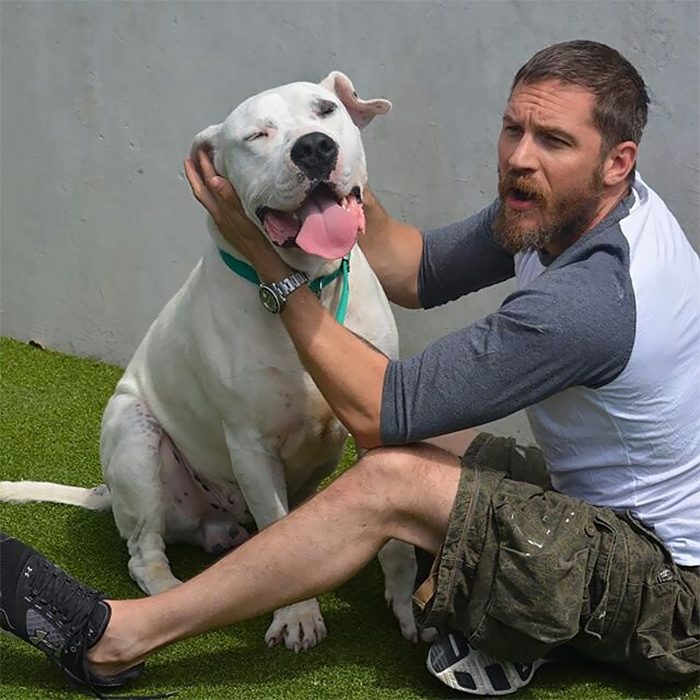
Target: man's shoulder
[
  {"x": 588, "y": 303},
  {"x": 596, "y": 266},
  {"x": 461, "y": 258}
]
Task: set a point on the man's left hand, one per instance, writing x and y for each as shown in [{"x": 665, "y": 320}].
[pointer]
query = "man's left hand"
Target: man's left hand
[{"x": 219, "y": 198}]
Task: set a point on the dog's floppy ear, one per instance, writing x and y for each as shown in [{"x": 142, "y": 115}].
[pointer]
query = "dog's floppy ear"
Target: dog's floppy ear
[
  {"x": 209, "y": 140},
  {"x": 361, "y": 111}
]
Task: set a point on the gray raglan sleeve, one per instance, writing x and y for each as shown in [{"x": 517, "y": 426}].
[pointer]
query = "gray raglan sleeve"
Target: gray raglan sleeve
[
  {"x": 461, "y": 258},
  {"x": 547, "y": 337}
]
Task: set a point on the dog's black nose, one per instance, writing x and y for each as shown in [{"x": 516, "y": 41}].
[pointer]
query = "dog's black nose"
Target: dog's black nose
[{"x": 315, "y": 154}]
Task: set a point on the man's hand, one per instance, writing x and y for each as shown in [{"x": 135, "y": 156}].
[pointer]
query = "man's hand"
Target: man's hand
[
  {"x": 394, "y": 250},
  {"x": 219, "y": 198}
]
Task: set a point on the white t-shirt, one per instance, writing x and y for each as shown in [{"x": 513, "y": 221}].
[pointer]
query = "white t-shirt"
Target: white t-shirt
[{"x": 601, "y": 345}]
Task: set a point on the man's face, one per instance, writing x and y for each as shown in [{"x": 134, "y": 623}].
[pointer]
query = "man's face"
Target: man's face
[{"x": 549, "y": 167}]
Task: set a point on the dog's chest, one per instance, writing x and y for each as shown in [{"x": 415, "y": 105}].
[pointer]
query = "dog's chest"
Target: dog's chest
[
  {"x": 273, "y": 411},
  {"x": 295, "y": 419},
  {"x": 225, "y": 381}
]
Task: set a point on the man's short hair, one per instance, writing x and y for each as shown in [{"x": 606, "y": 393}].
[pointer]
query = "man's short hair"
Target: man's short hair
[{"x": 621, "y": 99}]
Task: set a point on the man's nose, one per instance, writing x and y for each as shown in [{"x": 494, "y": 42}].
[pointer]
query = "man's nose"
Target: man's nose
[
  {"x": 315, "y": 154},
  {"x": 523, "y": 156}
]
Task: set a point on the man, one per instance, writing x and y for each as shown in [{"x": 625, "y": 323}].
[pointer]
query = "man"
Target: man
[{"x": 601, "y": 342}]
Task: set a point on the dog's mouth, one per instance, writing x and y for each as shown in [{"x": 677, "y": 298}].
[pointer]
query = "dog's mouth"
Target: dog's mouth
[{"x": 326, "y": 224}]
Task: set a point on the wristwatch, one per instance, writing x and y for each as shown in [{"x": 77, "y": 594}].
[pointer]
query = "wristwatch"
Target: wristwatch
[{"x": 273, "y": 295}]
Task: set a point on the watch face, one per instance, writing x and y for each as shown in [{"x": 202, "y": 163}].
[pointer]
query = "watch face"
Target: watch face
[{"x": 269, "y": 299}]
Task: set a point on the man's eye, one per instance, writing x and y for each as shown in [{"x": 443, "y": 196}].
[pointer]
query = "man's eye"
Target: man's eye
[
  {"x": 255, "y": 136},
  {"x": 555, "y": 140}
]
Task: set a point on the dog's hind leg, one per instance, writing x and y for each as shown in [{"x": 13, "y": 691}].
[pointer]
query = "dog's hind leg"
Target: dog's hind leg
[{"x": 131, "y": 463}]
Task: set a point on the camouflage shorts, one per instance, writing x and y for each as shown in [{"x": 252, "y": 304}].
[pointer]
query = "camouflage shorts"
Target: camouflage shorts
[{"x": 525, "y": 569}]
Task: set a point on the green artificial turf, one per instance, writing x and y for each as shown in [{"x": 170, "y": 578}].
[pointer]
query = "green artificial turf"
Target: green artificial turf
[{"x": 50, "y": 409}]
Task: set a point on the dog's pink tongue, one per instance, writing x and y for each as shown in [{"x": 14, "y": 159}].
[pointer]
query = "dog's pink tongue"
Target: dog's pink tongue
[{"x": 327, "y": 230}]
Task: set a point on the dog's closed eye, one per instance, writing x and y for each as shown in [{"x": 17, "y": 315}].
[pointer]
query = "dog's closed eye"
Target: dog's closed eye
[{"x": 325, "y": 107}]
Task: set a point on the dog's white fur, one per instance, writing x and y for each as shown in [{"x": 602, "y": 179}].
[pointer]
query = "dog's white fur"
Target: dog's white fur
[{"x": 215, "y": 426}]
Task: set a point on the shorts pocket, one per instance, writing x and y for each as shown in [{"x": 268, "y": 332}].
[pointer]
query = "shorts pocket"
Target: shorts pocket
[
  {"x": 538, "y": 598},
  {"x": 667, "y": 640},
  {"x": 538, "y": 588}
]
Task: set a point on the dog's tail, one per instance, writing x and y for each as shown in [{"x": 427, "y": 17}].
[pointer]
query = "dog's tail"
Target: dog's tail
[{"x": 96, "y": 498}]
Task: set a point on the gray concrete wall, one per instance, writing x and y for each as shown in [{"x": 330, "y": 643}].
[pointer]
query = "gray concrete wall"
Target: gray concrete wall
[{"x": 100, "y": 101}]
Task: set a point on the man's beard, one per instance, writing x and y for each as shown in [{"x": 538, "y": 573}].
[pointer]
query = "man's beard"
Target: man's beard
[{"x": 563, "y": 220}]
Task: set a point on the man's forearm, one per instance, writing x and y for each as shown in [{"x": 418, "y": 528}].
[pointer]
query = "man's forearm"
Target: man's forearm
[
  {"x": 393, "y": 250},
  {"x": 347, "y": 370}
]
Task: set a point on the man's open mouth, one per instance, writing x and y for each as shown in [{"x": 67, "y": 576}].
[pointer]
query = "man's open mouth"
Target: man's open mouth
[
  {"x": 326, "y": 224},
  {"x": 522, "y": 195}
]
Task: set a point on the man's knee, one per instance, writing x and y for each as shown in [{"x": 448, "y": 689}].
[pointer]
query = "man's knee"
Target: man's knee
[
  {"x": 380, "y": 472},
  {"x": 396, "y": 467},
  {"x": 403, "y": 477},
  {"x": 373, "y": 485}
]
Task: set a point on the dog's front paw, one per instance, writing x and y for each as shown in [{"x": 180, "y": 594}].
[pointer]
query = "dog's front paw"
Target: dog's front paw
[{"x": 299, "y": 626}]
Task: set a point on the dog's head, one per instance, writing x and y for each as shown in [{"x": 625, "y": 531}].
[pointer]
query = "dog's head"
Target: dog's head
[{"x": 295, "y": 156}]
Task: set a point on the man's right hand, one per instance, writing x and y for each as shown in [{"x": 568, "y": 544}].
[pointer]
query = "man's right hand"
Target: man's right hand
[{"x": 394, "y": 251}]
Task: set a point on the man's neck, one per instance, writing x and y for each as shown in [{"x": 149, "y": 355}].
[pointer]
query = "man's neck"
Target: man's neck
[{"x": 608, "y": 202}]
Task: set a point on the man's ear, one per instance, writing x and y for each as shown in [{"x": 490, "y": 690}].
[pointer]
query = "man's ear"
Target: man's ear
[
  {"x": 619, "y": 163},
  {"x": 209, "y": 141},
  {"x": 361, "y": 111}
]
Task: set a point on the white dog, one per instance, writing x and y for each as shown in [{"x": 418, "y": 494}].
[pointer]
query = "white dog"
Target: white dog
[{"x": 215, "y": 427}]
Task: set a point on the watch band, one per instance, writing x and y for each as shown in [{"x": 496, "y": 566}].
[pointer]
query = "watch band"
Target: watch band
[{"x": 286, "y": 286}]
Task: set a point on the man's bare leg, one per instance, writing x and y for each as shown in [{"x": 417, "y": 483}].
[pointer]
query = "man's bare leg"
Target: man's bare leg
[{"x": 404, "y": 493}]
